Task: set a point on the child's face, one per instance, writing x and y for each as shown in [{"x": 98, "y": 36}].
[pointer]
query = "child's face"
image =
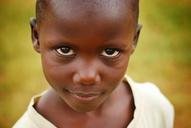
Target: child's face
[{"x": 84, "y": 56}]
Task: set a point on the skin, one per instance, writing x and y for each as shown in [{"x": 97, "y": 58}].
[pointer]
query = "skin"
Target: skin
[{"x": 84, "y": 57}]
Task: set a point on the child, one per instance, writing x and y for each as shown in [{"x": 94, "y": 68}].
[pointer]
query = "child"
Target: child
[{"x": 85, "y": 46}]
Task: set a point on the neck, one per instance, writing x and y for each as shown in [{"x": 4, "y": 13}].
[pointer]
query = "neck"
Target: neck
[
  {"x": 116, "y": 96},
  {"x": 119, "y": 105}
]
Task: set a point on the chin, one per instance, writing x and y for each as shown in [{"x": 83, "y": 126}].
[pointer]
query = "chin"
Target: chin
[
  {"x": 84, "y": 105},
  {"x": 84, "y": 108}
]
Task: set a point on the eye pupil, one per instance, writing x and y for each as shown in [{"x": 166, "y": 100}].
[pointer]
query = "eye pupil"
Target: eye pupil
[
  {"x": 65, "y": 49},
  {"x": 109, "y": 51}
]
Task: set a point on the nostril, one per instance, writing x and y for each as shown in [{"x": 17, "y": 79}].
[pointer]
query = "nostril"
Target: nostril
[
  {"x": 87, "y": 82},
  {"x": 86, "y": 79}
]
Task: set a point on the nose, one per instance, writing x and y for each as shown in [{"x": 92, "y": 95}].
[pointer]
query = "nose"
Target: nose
[{"x": 87, "y": 75}]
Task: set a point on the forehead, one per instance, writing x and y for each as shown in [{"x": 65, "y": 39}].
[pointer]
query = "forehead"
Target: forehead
[
  {"x": 104, "y": 17},
  {"x": 89, "y": 8}
]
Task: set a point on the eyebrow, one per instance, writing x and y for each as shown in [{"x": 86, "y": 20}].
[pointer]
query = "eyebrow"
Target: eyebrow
[
  {"x": 116, "y": 43},
  {"x": 68, "y": 31},
  {"x": 111, "y": 33},
  {"x": 71, "y": 32}
]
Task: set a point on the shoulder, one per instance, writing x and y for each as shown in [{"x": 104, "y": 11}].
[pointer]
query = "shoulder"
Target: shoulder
[
  {"x": 154, "y": 98},
  {"x": 31, "y": 118},
  {"x": 24, "y": 121},
  {"x": 150, "y": 94},
  {"x": 153, "y": 103}
]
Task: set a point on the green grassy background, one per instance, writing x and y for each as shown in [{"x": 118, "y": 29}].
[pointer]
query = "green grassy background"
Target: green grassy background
[{"x": 163, "y": 56}]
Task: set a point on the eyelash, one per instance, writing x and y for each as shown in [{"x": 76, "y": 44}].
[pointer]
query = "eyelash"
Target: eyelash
[
  {"x": 69, "y": 52},
  {"x": 114, "y": 52}
]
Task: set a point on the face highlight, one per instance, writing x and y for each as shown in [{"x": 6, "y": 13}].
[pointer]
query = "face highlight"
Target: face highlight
[{"x": 85, "y": 58}]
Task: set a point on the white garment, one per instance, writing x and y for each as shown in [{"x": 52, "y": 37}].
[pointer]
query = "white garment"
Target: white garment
[{"x": 152, "y": 110}]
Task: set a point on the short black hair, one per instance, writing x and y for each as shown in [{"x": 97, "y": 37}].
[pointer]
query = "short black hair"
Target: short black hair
[{"x": 42, "y": 5}]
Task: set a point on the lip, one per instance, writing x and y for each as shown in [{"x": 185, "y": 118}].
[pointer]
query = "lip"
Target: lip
[{"x": 84, "y": 96}]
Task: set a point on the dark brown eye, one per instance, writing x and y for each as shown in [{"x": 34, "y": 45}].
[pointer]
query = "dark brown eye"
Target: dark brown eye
[
  {"x": 65, "y": 51},
  {"x": 110, "y": 52}
]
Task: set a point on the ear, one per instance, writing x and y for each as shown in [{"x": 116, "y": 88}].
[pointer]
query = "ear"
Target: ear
[
  {"x": 136, "y": 37},
  {"x": 34, "y": 34}
]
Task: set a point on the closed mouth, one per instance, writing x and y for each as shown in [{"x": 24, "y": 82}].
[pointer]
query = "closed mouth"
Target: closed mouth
[{"x": 84, "y": 96}]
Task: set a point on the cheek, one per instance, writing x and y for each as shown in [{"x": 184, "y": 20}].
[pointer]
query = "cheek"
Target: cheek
[
  {"x": 59, "y": 74},
  {"x": 120, "y": 66},
  {"x": 115, "y": 74},
  {"x": 56, "y": 73}
]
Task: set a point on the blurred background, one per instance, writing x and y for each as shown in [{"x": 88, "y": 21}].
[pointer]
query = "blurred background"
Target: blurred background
[{"x": 163, "y": 56}]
